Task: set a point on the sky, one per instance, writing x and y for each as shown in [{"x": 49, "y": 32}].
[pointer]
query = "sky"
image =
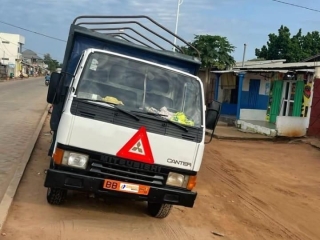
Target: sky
[{"x": 241, "y": 21}]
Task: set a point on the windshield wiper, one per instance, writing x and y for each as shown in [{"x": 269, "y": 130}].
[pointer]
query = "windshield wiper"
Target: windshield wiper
[
  {"x": 162, "y": 117},
  {"x": 114, "y": 105},
  {"x": 151, "y": 113},
  {"x": 176, "y": 124}
]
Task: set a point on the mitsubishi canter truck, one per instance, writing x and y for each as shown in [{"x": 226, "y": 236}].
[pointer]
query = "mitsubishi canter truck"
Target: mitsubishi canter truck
[{"x": 129, "y": 117}]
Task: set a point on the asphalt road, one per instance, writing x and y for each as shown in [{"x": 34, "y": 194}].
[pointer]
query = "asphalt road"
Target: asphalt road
[{"x": 22, "y": 104}]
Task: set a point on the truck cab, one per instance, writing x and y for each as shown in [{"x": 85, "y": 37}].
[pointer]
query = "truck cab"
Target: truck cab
[{"x": 128, "y": 120}]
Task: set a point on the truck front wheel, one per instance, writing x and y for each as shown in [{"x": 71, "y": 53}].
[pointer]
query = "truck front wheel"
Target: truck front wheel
[
  {"x": 159, "y": 210},
  {"x": 56, "y": 196}
]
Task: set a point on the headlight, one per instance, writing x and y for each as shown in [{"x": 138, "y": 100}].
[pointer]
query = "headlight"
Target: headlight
[
  {"x": 73, "y": 159},
  {"x": 177, "y": 180}
]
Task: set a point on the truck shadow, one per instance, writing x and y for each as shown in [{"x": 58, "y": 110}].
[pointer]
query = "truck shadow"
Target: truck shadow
[{"x": 106, "y": 204}]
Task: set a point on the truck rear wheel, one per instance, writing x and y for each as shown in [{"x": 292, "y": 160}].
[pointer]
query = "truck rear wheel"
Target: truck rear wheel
[
  {"x": 159, "y": 210},
  {"x": 56, "y": 196}
]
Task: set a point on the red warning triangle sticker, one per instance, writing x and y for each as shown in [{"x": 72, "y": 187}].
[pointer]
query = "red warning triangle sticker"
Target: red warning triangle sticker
[{"x": 137, "y": 148}]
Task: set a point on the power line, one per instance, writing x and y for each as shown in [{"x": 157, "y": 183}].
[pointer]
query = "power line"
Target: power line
[
  {"x": 295, "y": 5},
  {"x": 23, "y": 48},
  {"x": 41, "y": 34}
]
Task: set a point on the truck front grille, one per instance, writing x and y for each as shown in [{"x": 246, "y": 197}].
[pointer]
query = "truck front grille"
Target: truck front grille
[{"x": 129, "y": 171}]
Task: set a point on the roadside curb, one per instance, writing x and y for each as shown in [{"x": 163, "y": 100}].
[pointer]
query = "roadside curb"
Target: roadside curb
[
  {"x": 6, "y": 202},
  {"x": 312, "y": 143},
  {"x": 315, "y": 146},
  {"x": 208, "y": 133}
]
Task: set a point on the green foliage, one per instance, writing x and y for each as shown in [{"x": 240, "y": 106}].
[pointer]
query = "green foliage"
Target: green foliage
[
  {"x": 215, "y": 51},
  {"x": 52, "y": 64},
  {"x": 292, "y": 48}
]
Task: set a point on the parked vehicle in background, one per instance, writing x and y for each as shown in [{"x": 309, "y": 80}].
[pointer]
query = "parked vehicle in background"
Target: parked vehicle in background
[
  {"x": 47, "y": 79},
  {"x": 23, "y": 75}
]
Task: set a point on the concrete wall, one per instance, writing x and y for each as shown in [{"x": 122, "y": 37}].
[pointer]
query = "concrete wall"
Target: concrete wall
[
  {"x": 291, "y": 126},
  {"x": 259, "y": 110},
  {"x": 263, "y": 82},
  {"x": 253, "y": 114},
  {"x": 208, "y": 85},
  {"x": 255, "y": 128}
]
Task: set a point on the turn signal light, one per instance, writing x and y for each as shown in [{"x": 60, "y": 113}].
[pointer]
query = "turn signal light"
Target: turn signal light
[
  {"x": 192, "y": 182},
  {"x": 58, "y": 156}
]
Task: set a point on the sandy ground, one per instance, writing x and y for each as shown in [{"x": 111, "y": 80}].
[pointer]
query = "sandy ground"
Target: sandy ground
[{"x": 247, "y": 190}]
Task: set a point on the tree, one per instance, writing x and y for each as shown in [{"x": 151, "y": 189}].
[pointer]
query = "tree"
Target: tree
[
  {"x": 292, "y": 48},
  {"x": 52, "y": 64},
  {"x": 215, "y": 51}
]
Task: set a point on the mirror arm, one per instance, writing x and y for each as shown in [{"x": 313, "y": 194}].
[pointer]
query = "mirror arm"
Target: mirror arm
[
  {"x": 210, "y": 138},
  {"x": 215, "y": 124}
]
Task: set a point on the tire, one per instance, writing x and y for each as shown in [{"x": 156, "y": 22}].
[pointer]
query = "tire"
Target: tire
[
  {"x": 159, "y": 210},
  {"x": 51, "y": 164},
  {"x": 56, "y": 196}
]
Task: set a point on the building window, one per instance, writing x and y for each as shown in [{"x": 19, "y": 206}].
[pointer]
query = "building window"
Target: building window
[
  {"x": 20, "y": 48},
  {"x": 6, "y": 42}
]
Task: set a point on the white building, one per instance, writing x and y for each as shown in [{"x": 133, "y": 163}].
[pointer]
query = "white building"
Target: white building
[{"x": 10, "y": 52}]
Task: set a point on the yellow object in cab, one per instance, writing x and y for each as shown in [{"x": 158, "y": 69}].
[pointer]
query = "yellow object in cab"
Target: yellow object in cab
[{"x": 112, "y": 100}]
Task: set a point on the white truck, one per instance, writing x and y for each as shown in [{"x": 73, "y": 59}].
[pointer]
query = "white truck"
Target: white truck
[{"x": 129, "y": 120}]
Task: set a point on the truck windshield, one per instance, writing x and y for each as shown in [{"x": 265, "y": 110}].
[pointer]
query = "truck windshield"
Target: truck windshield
[{"x": 143, "y": 87}]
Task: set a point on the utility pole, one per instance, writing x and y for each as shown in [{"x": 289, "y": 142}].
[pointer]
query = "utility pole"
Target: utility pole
[
  {"x": 244, "y": 54},
  {"x": 177, "y": 21}
]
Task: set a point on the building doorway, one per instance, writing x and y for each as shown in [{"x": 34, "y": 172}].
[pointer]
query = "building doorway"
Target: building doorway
[
  {"x": 292, "y": 98},
  {"x": 288, "y": 93},
  {"x": 254, "y": 86},
  {"x": 286, "y": 99}
]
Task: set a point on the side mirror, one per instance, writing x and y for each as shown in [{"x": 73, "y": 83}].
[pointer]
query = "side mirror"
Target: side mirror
[
  {"x": 212, "y": 117},
  {"x": 52, "y": 89}
]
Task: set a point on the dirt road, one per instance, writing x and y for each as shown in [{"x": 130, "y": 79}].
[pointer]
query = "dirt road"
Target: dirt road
[{"x": 247, "y": 190}]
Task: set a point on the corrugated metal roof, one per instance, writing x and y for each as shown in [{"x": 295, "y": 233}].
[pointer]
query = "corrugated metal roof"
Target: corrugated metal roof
[
  {"x": 305, "y": 70},
  {"x": 282, "y": 66},
  {"x": 253, "y": 63},
  {"x": 226, "y": 71},
  {"x": 266, "y": 71},
  {"x": 262, "y": 71},
  {"x": 310, "y": 58}
]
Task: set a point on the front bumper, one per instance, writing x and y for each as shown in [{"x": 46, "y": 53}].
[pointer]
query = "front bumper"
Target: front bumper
[{"x": 73, "y": 181}]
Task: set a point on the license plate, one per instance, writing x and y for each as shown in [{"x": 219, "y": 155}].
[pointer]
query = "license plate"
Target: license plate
[{"x": 125, "y": 187}]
